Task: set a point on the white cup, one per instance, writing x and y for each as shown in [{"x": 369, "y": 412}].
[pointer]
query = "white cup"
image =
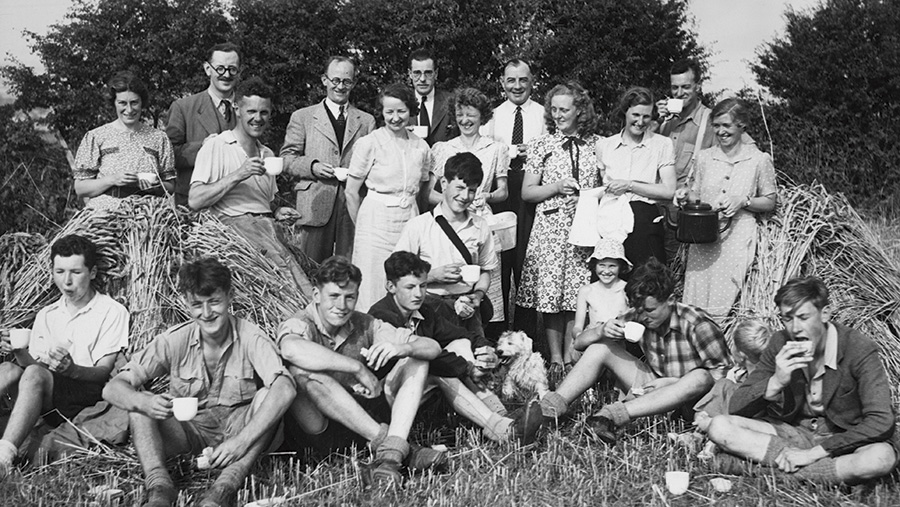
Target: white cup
[
  {"x": 513, "y": 151},
  {"x": 341, "y": 173},
  {"x": 420, "y": 131},
  {"x": 184, "y": 409},
  {"x": 19, "y": 338},
  {"x": 274, "y": 165},
  {"x": 721, "y": 484},
  {"x": 675, "y": 106},
  {"x": 470, "y": 273},
  {"x": 148, "y": 178},
  {"x": 634, "y": 331},
  {"x": 677, "y": 482}
]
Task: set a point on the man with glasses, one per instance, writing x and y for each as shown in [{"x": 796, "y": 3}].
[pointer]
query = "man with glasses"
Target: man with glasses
[
  {"x": 320, "y": 138},
  {"x": 684, "y": 352},
  {"x": 515, "y": 123},
  {"x": 435, "y": 122},
  {"x": 194, "y": 118}
]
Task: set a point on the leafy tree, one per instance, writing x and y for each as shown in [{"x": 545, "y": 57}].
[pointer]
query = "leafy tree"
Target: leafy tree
[
  {"x": 162, "y": 41},
  {"x": 836, "y": 79}
]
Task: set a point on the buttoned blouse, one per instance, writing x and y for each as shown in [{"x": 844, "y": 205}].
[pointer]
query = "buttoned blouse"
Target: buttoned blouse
[
  {"x": 638, "y": 162},
  {"x": 382, "y": 160}
]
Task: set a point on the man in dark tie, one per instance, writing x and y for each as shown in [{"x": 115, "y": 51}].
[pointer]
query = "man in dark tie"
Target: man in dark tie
[
  {"x": 194, "y": 118},
  {"x": 320, "y": 138},
  {"x": 437, "y": 124},
  {"x": 516, "y": 122}
]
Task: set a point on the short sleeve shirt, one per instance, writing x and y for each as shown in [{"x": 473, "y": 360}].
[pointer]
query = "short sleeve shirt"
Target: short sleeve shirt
[
  {"x": 250, "y": 361},
  {"x": 639, "y": 162},
  {"x": 95, "y": 331},
  {"x": 424, "y": 237},
  {"x": 221, "y": 156},
  {"x": 693, "y": 340},
  {"x": 389, "y": 165}
]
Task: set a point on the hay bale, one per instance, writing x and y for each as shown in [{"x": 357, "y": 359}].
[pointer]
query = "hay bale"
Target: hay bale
[{"x": 141, "y": 243}]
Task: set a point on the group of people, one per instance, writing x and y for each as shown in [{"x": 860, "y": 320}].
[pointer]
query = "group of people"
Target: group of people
[{"x": 412, "y": 286}]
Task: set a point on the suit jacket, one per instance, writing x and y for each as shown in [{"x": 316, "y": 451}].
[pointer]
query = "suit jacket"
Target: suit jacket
[
  {"x": 443, "y": 122},
  {"x": 191, "y": 120},
  {"x": 309, "y": 138},
  {"x": 856, "y": 396}
]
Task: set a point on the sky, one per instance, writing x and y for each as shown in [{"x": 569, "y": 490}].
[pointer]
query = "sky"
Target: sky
[{"x": 731, "y": 29}]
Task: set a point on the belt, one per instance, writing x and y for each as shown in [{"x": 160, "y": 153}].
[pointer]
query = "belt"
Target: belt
[
  {"x": 121, "y": 192},
  {"x": 392, "y": 200},
  {"x": 267, "y": 214}
]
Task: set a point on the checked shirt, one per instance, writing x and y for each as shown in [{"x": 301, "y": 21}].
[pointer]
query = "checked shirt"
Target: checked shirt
[{"x": 693, "y": 340}]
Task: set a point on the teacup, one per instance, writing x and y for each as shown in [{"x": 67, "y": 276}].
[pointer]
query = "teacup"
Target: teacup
[
  {"x": 470, "y": 273},
  {"x": 19, "y": 338},
  {"x": 341, "y": 173},
  {"x": 513, "y": 151},
  {"x": 634, "y": 331},
  {"x": 675, "y": 106},
  {"x": 420, "y": 131},
  {"x": 184, "y": 409},
  {"x": 677, "y": 482},
  {"x": 274, "y": 165}
]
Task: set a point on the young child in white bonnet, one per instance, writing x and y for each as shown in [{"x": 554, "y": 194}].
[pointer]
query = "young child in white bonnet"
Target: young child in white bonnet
[{"x": 604, "y": 299}]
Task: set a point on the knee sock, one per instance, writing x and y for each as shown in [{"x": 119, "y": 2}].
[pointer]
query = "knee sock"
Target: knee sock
[
  {"x": 553, "y": 405},
  {"x": 776, "y": 444},
  {"x": 497, "y": 428},
  {"x": 393, "y": 448},
  {"x": 822, "y": 471},
  {"x": 615, "y": 412},
  {"x": 158, "y": 477},
  {"x": 492, "y": 401}
]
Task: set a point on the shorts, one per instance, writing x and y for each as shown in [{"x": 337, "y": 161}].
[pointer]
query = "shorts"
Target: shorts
[
  {"x": 336, "y": 436},
  {"x": 810, "y": 432},
  {"x": 213, "y": 426},
  {"x": 71, "y": 396}
]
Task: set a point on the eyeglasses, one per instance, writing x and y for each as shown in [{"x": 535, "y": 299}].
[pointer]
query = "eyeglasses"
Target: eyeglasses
[
  {"x": 416, "y": 74},
  {"x": 221, "y": 69},
  {"x": 336, "y": 81}
]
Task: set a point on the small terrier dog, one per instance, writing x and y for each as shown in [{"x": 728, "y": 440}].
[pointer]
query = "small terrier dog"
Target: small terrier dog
[{"x": 525, "y": 374}]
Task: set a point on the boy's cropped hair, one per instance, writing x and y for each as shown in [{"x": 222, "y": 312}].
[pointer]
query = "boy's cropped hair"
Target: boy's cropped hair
[
  {"x": 464, "y": 166},
  {"x": 401, "y": 264},
  {"x": 339, "y": 270},
  {"x": 652, "y": 278},
  {"x": 751, "y": 337},
  {"x": 802, "y": 289},
  {"x": 74, "y": 244},
  {"x": 203, "y": 277}
]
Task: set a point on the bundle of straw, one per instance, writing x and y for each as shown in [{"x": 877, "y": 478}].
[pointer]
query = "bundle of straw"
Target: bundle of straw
[{"x": 141, "y": 244}]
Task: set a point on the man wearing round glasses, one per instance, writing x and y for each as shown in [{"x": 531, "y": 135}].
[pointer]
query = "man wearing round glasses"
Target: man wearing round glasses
[
  {"x": 433, "y": 123},
  {"x": 194, "y": 118},
  {"x": 320, "y": 138}
]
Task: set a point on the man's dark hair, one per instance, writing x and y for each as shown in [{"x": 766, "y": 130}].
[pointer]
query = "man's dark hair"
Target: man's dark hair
[
  {"x": 802, "y": 289},
  {"x": 464, "y": 166},
  {"x": 339, "y": 59},
  {"x": 402, "y": 93},
  {"x": 651, "y": 279},
  {"x": 253, "y": 87},
  {"x": 203, "y": 277},
  {"x": 225, "y": 47},
  {"x": 688, "y": 64},
  {"x": 422, "y": 54},
  {"x": 339, "y": 270},
  {"x": 126, "y": 81},
  {"x": 74, "y": 244},
  {"x": 402, "y": 263}
]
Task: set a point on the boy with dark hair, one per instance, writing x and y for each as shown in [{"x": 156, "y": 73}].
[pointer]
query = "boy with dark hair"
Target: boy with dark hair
[
  {"x": 71, "y": 351},
  {"x": 818, "y": 403},
  {"x": 233, "y": 369},
  {"x": 684, "y": 349},
  {"x": 454, "y": 371},
  {"x": 449, "y": 237},
  {"x": 342, "y": 358}
]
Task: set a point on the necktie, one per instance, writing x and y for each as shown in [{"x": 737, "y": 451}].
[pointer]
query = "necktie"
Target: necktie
[
  {"x": 517, "y": 137},
  {"x": 423, "y": 113},
  {"x": 226, "y": 110},
  {"x": 340, "y": 124},
  {"x": 341, "y": 117}
]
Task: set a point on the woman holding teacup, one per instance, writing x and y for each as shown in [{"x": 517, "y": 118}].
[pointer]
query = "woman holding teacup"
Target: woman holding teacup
[
  {"x": 395, "y": 166},
  {"x": 640, "y": 165},
  {"x": 124, "y": 157},
  {"x": 738, "y": 179}
]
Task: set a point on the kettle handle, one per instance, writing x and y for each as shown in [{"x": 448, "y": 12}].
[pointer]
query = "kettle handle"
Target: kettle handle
[
  {"x": 727, "y": 225},
  {"x": 672, "y": 224}
]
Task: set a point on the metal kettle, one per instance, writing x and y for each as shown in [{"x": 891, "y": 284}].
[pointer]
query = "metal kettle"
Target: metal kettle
[{"x": 696, "y": 222}]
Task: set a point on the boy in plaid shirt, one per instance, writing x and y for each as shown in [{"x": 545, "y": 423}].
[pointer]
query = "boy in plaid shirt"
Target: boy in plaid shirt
[{"x": 684, "y": 352}]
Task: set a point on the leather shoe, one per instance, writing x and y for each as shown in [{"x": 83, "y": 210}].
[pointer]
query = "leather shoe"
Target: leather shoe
[
  {"x": 527, "y": 425},
  {"x": 161, "y": 496},
  {"x": 423, "y": 458},
  {"x": 602, "y": 429},
  {"x": 219, "y": 495}
]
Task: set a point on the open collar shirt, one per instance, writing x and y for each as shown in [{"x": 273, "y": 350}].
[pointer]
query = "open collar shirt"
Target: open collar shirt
[
  {"x": 691, "y": 340},
  {"x": 638, "y": 162}
]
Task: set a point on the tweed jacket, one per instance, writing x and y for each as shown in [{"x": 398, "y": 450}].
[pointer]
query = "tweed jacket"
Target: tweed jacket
[
  {"x": 856, "y": 396},
  {"x": 191, "y": 120},
  {"x": 309, "y": 138}
]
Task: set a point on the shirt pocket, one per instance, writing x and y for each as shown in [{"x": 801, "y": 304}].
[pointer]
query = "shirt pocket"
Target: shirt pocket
[
  {"x": 184, "y": 384},
  {"x": 238, "y": 385}
]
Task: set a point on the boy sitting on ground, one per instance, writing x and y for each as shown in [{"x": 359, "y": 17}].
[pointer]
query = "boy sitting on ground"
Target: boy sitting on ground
[
  {"x": 229, "y": 365},
  {"x": 338, "y": 354},
  {"x": 457, "y": 369},
  {"x": 72, "y": 349}
]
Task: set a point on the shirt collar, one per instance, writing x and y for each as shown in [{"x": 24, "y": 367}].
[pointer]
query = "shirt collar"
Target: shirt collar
[
  {"x": 831, "y": 347},
  {"x": 647, "y": 135},
  {"x": 428, "y": 98},
  {"x": 439, "y": 211},
  {"x": 525, "y": 105},
  {"x": 194, "y": 340},
  {"x": 216, "y": 100},
  {"x": 335, "y": 108},
  {"x": 342, "y": 333},
  {"x": 60, "y": 304},
  {"x": 482, "y": 143}
]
